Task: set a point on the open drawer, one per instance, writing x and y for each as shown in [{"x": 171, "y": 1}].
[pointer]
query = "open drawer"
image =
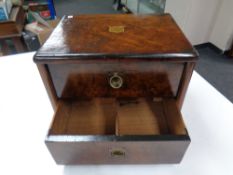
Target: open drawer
[{"x": 117, "y": 131}]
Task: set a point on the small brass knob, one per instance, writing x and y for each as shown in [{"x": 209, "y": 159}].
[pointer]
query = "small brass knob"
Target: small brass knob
[{"x": 116, "y": 81}]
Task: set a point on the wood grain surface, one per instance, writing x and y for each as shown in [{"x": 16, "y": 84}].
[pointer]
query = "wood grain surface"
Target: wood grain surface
[
  {"x": 140, "y": 79},
  {"x": 143, "y": 36}
]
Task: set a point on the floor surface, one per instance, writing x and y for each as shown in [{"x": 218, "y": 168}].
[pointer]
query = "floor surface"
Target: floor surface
[{"x": 217, "y": 69}]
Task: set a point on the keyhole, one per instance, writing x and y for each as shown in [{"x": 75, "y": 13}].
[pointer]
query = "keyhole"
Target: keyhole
[{"x": 117, "y": 153}]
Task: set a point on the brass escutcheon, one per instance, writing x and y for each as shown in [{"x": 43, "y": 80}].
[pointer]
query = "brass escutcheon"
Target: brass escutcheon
[
  {"x": 117, "y": 153},
  {"x": 116, "y": 29}
]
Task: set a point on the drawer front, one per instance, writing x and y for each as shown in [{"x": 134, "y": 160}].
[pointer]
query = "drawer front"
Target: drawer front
[
  {"x": 126, "y": 152},
  {"x": 118, "y": 79}
]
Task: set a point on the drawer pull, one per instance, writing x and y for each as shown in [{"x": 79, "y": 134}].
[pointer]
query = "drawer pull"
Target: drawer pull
[
  {"x": 116, "y": 81},
  {"x": 117, "y": 153}
]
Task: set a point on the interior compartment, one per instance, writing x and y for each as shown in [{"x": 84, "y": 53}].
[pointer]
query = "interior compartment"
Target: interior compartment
[
  {"x": 109, "y": 116},
  {"x": 85, "y": 117}
]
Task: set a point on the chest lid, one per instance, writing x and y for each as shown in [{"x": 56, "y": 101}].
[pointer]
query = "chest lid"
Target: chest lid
[{"x": 116, "y": 36}]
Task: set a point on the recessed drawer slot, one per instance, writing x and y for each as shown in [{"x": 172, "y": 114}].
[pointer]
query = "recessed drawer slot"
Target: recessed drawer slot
[{"x": 109, "y": 116}]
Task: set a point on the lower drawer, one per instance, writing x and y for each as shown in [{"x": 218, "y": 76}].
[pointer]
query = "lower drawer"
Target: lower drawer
[{"x": 117, "y": 131}]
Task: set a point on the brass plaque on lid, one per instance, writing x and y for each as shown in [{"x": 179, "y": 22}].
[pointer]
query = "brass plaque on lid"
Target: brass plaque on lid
[{"x": 116, "y": 29}]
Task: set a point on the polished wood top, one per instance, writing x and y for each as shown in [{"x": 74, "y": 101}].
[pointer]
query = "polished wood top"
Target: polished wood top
[{"x": 116, "y": 36}]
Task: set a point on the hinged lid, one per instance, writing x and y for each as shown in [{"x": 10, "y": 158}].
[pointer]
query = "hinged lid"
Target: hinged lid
[{"x": 116, "y": 36}]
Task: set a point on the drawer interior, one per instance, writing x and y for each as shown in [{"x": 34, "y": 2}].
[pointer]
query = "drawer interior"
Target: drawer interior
[{"x": 110, "y": 116}]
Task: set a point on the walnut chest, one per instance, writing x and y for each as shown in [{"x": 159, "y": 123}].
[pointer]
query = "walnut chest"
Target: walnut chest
[{"x": 117, "y": 84}]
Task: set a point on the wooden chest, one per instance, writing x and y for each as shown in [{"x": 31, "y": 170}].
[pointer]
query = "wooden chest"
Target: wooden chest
[{"x": 117, "y": 84}]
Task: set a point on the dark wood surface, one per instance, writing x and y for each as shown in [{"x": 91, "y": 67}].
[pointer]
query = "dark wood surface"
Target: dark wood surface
[
  {"x": 139, "y": 36},
  {"x": 186, "y": 77},
  {"x": 140, "y": 79},
  {"x": 100, "y": 152},
  {"x": 46, "y": 78},
  {"x": 78, "y": 74}
]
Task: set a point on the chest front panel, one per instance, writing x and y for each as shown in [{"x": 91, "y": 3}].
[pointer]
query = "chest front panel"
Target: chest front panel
[{"x": 140, "y": 79}]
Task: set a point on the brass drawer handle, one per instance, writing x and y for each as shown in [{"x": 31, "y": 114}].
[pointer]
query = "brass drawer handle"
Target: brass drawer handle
[{"x": 116, "y": 81}]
